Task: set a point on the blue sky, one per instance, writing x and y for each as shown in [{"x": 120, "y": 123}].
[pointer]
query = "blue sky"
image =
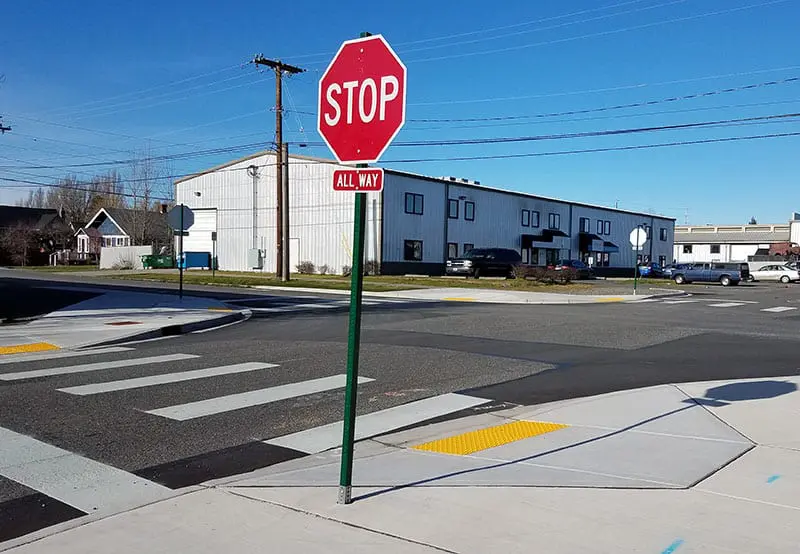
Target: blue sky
[{"x": 93, "y": 82}]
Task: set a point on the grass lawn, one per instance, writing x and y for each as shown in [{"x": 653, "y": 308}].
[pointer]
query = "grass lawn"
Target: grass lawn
[{"x": 382, "y": 283}]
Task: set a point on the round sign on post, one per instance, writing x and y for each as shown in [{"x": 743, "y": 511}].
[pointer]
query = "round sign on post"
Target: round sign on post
[{"x": 362, "y": 100}]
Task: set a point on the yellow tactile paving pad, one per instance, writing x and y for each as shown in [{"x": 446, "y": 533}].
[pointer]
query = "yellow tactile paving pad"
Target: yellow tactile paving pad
[
  {"x": 28, "y": 348},
  {"x": 475, "y": 441}
]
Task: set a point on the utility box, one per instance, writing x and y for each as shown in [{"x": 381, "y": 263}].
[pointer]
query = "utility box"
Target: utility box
[{"x": 254, "y": 259}]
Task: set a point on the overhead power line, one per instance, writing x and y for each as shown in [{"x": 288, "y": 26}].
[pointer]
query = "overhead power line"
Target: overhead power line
[
  {"x": 615, "y": 107},
  {"x": 593, "y": 150},
  {"x": 597, "y": 34}
]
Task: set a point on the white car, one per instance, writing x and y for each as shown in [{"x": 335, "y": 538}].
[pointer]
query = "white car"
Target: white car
[{"x": 775, "y": 273}]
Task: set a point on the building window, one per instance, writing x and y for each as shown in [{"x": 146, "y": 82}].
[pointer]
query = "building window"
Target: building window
[
  {"x": 606, "y": 227},
  {"x": 468, "y": 246},
  {"x": 452, "y": 209},
  {"x": 526, "y": 218},
  {"x": 599, "y": 226},
  {"x": 452, "y": 250},
  {"x": 662, "y": 261},
  {"x": 586, "y": 225},
  {"x": 554, "y": 222},
  {"x": 414, "y": 203},
  {"x": 534, "y": 219},
  {"x": 526, "y": 255},
  {"x": 603, "y": 259},
  {"x": 412, "y": 250},
  {"x": 638, "y": 259},
  {"x": 715, "y": 248},
  {"x": 687, "y": 248},
  {"x": 469, "y": 211}
]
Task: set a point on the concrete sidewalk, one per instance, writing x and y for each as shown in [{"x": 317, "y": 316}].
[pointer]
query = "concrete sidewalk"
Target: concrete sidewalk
[
  {"x": 115, "y": 317},
  {"x": 495, "y": 296},
  {"x": 700, "y": 467}
]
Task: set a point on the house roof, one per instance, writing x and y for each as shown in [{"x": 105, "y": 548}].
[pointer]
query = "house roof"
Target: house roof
[
  {"x": 40, "y": 218},
  {"x": 127, "y": 219}
]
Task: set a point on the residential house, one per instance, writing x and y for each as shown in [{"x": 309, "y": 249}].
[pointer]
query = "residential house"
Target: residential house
[
  {"x": 29, "y": 235},
  {"x": 111, "y": 227}
]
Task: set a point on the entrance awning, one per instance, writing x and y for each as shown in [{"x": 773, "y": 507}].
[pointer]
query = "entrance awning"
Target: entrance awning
[
  {"x": 588, "y": 242},
  {"x": 546, "y": 236},
  {"x": 610, "y": 247}
]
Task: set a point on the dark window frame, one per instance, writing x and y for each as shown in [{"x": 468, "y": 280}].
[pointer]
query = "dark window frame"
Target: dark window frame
[
  {"x": 600, "y": 227},
  {"x": 587, "y": 228},
  {"x": 408, "y": 243},
  {"x": 467, "y": 205},
  {"x": 717, "y": 247},
  {"x": 526, "y": 218},
  {"x": 663, "y": 234},
  {"x": 535, "y": 221},
  {"x": 687, "y": 248},
  {"x": 455, "y": 244},
  {"x": 414, "y": 197},
  {"x": 450, "y": 203},
  {"x": 606, "y": 227},
  {"x": 470, "y": 245},
  {"x": 552, "y": 218}
]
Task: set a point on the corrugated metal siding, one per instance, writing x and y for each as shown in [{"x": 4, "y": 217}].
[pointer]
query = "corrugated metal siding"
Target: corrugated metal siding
[
  {"x": 400, "y": 226},
  {"x": 320, "y": 219}
]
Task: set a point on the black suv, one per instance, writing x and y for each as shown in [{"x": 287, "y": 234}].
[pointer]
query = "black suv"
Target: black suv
[{"x": 484, "y": 262}]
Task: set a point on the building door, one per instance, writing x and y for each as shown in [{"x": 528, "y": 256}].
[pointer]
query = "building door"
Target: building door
[
  {"x": 199, "y": 237},
  {"x": 551, "y": 256}
]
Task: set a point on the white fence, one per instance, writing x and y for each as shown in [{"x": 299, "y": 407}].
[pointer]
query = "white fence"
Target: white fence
[{"x": 123, "y": 257}]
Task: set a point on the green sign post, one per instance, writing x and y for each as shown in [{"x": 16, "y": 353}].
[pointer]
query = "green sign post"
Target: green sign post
[{"x": 362, "y": 103}]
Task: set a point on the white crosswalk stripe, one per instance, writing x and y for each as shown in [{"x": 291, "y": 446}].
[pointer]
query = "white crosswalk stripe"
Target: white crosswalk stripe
[
  {"x": 220, "y": 404},
  {"x": 140, "y": 382},
  {"x": 727, "y": 305},
  {"x": 679, "y": 301},
  {"x": 779, "y": 309},
  {"x": 85, "y": 484},
  {"x": 319, "y": 439},
  {"x": 50, "y": 372},
  {"x": 58, "y": 354}
]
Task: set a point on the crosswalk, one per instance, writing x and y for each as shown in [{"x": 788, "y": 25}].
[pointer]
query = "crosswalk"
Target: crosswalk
[
  {"x": 715, "y": 303},
  {"x": 94, "y": 487},
  {"x": 299, "y": 304}
]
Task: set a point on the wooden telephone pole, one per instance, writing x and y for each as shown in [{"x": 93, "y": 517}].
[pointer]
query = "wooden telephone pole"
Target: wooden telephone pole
[{"x": 280, "y": 68}]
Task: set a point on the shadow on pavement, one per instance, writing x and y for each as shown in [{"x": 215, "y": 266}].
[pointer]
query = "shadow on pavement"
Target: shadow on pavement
[{"x": 724, "y": 395}]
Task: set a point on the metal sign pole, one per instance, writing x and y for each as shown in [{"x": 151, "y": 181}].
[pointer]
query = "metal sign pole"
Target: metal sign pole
[
  {"x": 180, "y": 258},
  {"x": 353, "y": 346},
  {"x": 636, "y": 268}
]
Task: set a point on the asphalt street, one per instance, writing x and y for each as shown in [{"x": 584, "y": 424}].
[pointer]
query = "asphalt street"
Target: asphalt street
[{"x": 143, "y": 411}]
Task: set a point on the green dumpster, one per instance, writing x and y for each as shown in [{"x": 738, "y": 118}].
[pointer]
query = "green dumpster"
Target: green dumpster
[{"x": 152, "y": 261}]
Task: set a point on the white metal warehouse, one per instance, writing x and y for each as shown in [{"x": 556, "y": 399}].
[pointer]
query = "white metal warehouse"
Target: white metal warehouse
[{"x": 413, "y": 226}]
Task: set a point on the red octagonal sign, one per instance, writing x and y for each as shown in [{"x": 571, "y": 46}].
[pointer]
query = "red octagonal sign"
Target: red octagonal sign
[{"x": 362, "y": 100}]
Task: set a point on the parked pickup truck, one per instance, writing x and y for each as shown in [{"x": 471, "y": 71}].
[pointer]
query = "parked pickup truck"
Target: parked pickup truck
[{"x": 722, "y": 273}]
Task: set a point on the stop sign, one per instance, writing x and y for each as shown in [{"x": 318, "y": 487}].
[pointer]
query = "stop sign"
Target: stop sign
[{"x": 362, "y": 100}]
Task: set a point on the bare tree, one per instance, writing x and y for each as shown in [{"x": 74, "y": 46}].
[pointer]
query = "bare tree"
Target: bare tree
[
  {"x": 36, "y": 199},
  {"x": 149, "y": 186},
  {"x": 18, "y": 241}
]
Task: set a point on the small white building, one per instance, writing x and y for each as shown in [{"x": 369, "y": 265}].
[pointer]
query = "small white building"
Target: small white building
[
  {"x": 413, "y": 226},
  {"x": 736, "y": 243}
]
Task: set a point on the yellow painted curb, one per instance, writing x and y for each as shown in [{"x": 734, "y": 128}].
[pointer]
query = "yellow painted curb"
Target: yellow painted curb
[
  {"x": 612, "y": 299},
  {"x": 28, "y": 348},
  {"x": 482, "y": 439},
  {"x": 458, "y": 299},
  {"x": 220, "y": 310}
]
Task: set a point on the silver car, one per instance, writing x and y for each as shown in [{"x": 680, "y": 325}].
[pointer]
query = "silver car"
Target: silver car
[{"x": 775, "y": 273}]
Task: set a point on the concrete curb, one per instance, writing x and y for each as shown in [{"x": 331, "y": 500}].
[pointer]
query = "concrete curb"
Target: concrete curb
[{"x": 176, "y": 330}]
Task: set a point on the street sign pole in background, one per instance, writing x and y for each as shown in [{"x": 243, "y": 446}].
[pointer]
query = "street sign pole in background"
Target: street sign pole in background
[
  {"x": 638, "y": 238},
  {"x": 362, "y": 106},
  {"x": 180, "y": 218}
]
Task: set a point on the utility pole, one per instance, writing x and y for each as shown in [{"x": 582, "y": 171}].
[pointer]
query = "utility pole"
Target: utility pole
[
  {"x": 285, "y": 214},
  {"x": 280, "y": 68}
]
